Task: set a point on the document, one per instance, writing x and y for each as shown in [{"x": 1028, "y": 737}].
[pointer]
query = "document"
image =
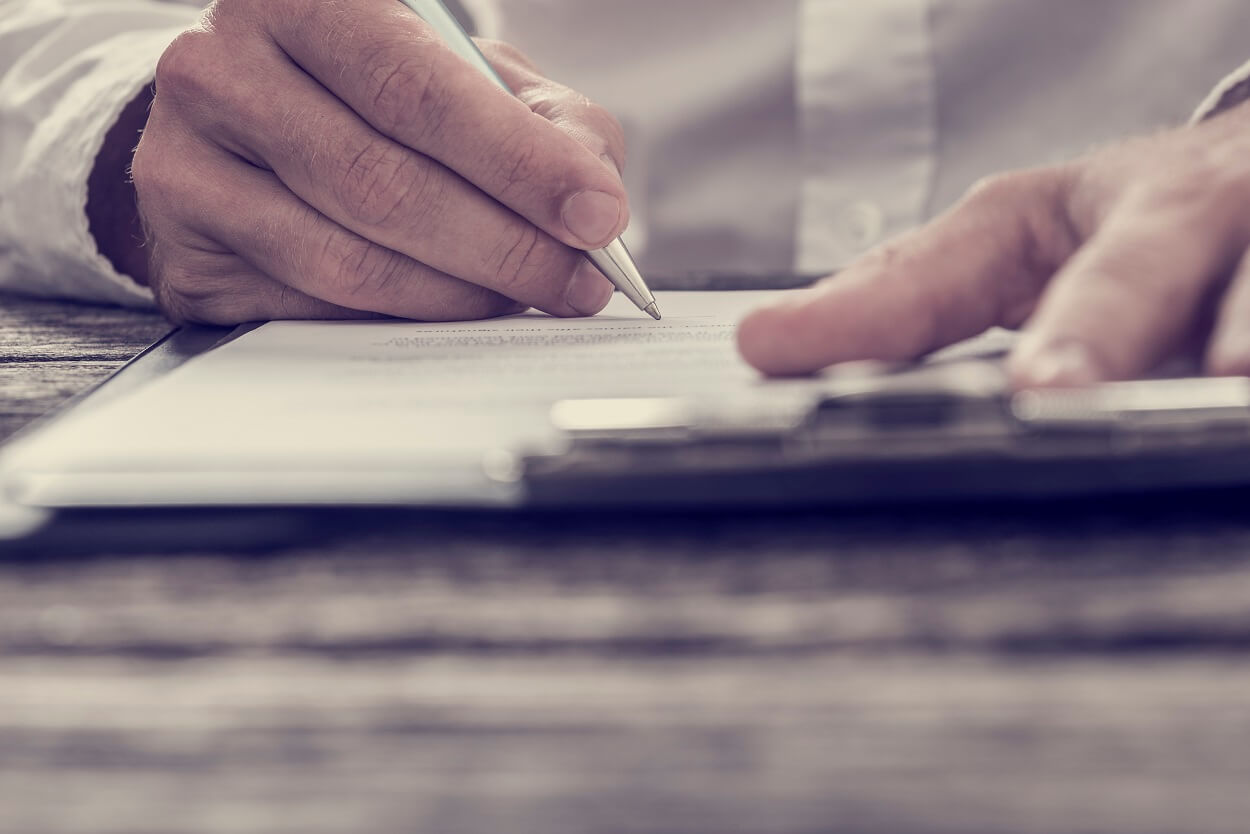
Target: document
[{"x": 381, "y": 412}]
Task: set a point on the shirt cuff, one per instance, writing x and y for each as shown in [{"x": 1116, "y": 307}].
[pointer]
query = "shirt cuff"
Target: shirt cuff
[
  {"x": 1231, "y": 92},
  {"x": 57, "y": 252}
]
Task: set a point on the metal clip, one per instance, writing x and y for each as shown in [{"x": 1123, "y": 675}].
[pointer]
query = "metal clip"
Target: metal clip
[{"x": 1160, "y": 404}]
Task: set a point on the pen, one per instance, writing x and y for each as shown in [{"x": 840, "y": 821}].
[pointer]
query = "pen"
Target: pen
[{"x": 614, "y": 260}]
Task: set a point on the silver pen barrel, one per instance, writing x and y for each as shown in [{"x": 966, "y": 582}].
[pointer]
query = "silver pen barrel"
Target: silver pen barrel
[{"x": 614, "y": 260}]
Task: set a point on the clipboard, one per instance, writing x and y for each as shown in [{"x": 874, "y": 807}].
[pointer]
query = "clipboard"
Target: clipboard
[
  {"x": 942, "y": 430},
  {"x": 909, "y": 435}
]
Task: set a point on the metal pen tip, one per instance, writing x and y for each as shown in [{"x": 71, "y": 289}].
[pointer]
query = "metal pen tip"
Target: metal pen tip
[{"x": 618, "y": 266}]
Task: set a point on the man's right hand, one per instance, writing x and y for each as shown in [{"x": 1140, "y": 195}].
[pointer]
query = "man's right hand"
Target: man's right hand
[{"x": 335, "y": 159}]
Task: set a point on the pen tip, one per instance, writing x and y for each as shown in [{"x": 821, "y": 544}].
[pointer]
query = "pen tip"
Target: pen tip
[{"x": 652, "y": 310}]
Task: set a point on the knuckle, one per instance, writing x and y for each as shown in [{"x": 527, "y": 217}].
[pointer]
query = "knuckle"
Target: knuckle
[
  {"x": 290, "y": 304},
  {"x": 161, "y": 282},
  {"x": 407, "y": 95},
  {"x": 606, "y": 125},
  {"x": 191, "y": 293},
  {"x": 509, "y": 259},
  {"x": 383, "y": 182},
  {"x": 184, "y": 67},
  {"x": 357, "y": 270},
  {"x": 999, "y": 189},
  {"x": 520, "y": 166},
  {"x": 172, "y": 290},
  {"x": 1203, "y": 192},
  {"x": 552, "y": 101},
  {"x": 193, "y": 285},
  {"x": 591, "y": 124},
  {"x": 525, "y": 259},
  {"x": 1028, "y": 214}
]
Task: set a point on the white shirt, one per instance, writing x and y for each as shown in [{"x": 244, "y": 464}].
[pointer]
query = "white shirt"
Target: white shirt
[{"x": 767, "y": 138}]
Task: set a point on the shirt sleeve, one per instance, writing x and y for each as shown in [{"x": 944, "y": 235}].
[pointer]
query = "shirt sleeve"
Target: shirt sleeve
[
  {"x": 67, "y": 68},
  {"x": 1231, "y": 92}
]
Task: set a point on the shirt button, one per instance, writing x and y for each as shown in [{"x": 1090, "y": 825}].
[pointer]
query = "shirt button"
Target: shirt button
[{"x": 862, "y": 223}]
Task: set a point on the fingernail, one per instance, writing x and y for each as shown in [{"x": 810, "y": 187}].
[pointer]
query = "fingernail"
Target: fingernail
[
  {"x": 1063, "y": 366},
  {"x": 588, "y": 292},
  {"x": 592, "y": 217}
]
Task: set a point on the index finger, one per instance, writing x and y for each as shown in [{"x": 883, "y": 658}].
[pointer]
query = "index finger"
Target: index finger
[
  {"x": 395, "y": 72},
  {"x": 982, "y": 263}
]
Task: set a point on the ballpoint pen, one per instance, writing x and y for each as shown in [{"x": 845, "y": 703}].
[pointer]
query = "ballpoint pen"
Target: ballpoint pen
[{"x": 614, "y": 260}]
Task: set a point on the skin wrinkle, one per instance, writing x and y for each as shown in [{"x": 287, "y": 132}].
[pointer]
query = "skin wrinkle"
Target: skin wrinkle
[
  {"x": 408, "y": 96},
  {"x": 1149, "y": 213},
  {"x": 341, "y": 26},
  {"x": 517, "y": 259},
  {"x": 420, "y": 193},
  {"x": 340, "y": 261},
  {"x": 216, "y": 233},
  {"x": 215, "y": 76},
  {"x": 589, "y": 125},
  {"x": 1188, "y": 207},
  {"x": 288, "y": 302},
  {"x": 291, "y": 128},
  {"x": 518, "y": 170},
  {"x": 379, "y": 274},
  {"x": 1123, "y": 255},
  {"x": 373, "y": 187},
  {"x": 1044, "y": 244},
  {"x": 421, "y": 200}
]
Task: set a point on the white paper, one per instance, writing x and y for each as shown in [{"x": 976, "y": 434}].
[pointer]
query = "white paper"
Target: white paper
[{"x": 373, "y": 412}]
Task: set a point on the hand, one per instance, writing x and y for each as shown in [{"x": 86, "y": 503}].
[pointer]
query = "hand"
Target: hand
[
  {"x": 1112, "y": 264},
  {"x": 335, "y": 159}
]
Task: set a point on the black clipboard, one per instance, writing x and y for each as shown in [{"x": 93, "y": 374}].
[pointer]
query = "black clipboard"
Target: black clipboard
[
  {"x": 922, "y": 434},
  {"x": 943, "y": 430}
]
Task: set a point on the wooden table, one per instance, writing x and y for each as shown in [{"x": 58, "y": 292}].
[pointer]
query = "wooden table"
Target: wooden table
[{"x": 1061, "y": 668}]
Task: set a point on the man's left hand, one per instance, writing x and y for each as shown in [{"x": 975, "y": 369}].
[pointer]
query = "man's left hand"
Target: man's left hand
[{"x": 1111, "y": 265}]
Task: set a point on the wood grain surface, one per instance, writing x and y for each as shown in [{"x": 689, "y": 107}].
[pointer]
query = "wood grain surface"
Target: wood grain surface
[
  {"x": 50, "y": 351},
  {"x": 1075, "y": 667}
]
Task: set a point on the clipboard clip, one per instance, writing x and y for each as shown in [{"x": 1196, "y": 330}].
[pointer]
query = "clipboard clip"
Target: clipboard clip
[
  {"x": 941, "y": 423},
  {"x": 892, "y": 403}
]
